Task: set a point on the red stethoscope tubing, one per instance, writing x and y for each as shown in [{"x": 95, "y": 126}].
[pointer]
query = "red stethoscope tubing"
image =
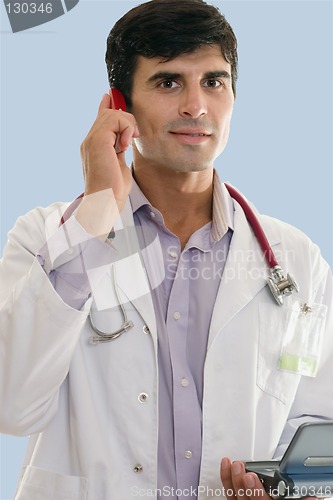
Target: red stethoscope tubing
[
  {"x": 255, "y": 224},
  {"x": 69, "y": 210},
  {"x": 249, "y": 214}
]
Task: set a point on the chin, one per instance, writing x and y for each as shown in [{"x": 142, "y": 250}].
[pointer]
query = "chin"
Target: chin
[{"x": 191, "y": 168}]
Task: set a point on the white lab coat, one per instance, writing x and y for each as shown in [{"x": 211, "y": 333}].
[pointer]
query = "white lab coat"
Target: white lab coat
[{"x": 92, "y": 438}]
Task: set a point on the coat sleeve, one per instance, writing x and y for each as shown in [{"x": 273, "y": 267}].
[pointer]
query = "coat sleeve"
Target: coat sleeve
[{"x": 38, "y": 332}]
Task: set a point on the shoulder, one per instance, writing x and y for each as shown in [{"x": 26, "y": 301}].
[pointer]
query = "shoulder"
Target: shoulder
[
  {"x": 294, "y": 250},
  {"x": 295, "y": 247},
  {"x": 39, "y": 216},
  {"x": 279, "y": 230}
]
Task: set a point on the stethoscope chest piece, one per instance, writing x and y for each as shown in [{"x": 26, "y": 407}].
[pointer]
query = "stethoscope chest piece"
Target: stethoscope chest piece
[{"x": 280, "y": 285}]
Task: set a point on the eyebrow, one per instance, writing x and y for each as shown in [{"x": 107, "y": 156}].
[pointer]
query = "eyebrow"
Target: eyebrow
[{"x": 165, "y": 75}]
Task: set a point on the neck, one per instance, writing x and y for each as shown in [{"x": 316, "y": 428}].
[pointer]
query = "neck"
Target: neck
[{"x": 183, "y": 198}]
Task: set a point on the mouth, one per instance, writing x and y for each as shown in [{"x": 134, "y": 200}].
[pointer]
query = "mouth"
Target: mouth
[
  {"x": 191, "y": 133},
  {"x": 190, "y": 136}
]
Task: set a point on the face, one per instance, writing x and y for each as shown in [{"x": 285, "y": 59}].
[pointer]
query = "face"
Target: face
[{"x": 183, "y": 108}]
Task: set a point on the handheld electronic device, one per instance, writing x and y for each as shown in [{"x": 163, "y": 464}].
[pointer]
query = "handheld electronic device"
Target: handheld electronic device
[
  {"x": 117, "y": 99},
  {"x": 306, "y": 468},
  {"x": 117, "y": 102}
]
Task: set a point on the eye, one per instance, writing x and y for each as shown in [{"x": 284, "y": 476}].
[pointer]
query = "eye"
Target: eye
[
  {"x": 213, "y": 83},
  {"x": 168, "y": 84}
]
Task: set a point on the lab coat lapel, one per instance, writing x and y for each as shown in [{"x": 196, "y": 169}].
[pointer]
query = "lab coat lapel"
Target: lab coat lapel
[
  {"x": 131, "y": 274},
  {"x": 244, "y": 275}
]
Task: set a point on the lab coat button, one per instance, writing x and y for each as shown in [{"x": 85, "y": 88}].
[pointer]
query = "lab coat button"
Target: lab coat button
[
  {"x": 188, "y": 454},
  {"x": 143, "y": 397},
  {"x": 177, "y": 315},
  {"x": 138, "y": 468},
  {"x": 70, "y": 251},
  {"x": 146, "y": 329}
]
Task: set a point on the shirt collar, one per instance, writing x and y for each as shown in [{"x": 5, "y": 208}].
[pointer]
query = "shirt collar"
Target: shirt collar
[
  {"x": 137, "y": 197},
  {"x": 223, "y": 208}
]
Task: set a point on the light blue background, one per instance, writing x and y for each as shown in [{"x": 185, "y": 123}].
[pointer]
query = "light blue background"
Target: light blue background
[{"x": 279, "y": 153}]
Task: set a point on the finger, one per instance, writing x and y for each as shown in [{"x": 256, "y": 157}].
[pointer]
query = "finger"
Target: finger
[
  {"x": 226, "y": 478},
  {"x": 105, "y": 103},
  {"x": 247, "y": 485},
  {"x": 127, "y": 134},
  {"x": 237, "y": 474},
  {"x": 254, "y": 488},
  {"x": 121, "y": 123}
]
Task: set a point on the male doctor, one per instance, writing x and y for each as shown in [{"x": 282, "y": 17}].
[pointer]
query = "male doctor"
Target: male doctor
[{"x": 194, "y": 376}]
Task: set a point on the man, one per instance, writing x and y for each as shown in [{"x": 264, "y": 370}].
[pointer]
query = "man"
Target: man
[{"x": 163, "y": 249}]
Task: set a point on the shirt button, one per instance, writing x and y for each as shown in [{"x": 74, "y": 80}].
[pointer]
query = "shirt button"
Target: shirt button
[
  {"x": 184, "y": 382},
  {"x": 177, "y": 315},
  {"x": 152, "y": 214},
  {"x": 173, "y": 254},
  {"x": 143, "y": 397},
  {"x": 188, "y": 454},
  {"x": 70, "y": 251}
]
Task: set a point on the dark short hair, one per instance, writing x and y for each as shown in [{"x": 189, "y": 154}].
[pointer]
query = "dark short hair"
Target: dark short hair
[{"x": 167, "y": 29}]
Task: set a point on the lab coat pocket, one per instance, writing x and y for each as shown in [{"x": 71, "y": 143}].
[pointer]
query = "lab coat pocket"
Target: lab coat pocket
[
  {"x": 273, "y": 327},
  {"x": 301, "y": 346},
  {"x": 39, "y": 484}
]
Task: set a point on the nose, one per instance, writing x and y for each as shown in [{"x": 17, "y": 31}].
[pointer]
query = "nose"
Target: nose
[{"x": 193, "y": 102}]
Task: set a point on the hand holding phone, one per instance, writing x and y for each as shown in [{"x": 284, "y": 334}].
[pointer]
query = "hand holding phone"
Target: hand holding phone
[
  {"x": 103, "y": 166},
  {"x": 306, "y": 468},
  {"x": 117, "y": 102},
  {"x": 105, "y": 169}
]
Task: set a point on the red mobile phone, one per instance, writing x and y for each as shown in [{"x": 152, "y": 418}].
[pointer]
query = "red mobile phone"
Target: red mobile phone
[
  {"x": 117, "y": 102},
  {"x": 117, "y": 99}
]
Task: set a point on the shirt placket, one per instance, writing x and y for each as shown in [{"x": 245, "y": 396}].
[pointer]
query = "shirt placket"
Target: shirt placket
[{"x": 187, "y": 413}]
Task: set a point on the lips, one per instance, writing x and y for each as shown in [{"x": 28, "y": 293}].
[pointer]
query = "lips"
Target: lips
[
  {"x": 191, "y": 136},
  {"x": 191, "y": 133}
]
